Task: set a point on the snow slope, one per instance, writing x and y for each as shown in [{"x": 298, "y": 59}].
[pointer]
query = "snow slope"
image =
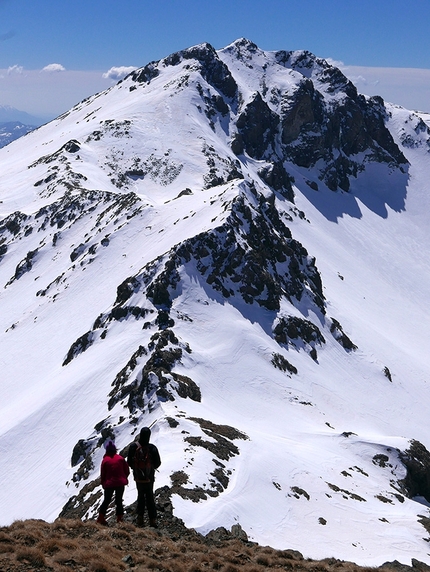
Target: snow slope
[{"x": 113, "y": 218}]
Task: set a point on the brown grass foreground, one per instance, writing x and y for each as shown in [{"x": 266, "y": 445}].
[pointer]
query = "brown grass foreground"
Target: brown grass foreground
[{"x": 73, "y": 545}]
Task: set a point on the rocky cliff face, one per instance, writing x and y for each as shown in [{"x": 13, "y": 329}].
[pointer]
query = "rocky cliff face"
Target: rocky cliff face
[{"x": 322, "y": 118}]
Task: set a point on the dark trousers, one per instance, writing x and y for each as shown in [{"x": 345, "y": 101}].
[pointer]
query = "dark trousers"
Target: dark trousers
[
  {"x": 145, "y": 497},
  {"x": 119, "y": 493}
]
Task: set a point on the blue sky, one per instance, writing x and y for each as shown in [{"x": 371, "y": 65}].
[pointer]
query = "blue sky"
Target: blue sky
[{"x": 86, "y": 38}]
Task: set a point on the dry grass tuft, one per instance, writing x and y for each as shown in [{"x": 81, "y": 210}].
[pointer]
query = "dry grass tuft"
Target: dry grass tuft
[{"x": 32, "y": 556}]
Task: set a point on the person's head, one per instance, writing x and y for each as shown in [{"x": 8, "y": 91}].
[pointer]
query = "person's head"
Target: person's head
[
  {"x": 110, "y": 448},
  {"x": 145, "y": 434}
]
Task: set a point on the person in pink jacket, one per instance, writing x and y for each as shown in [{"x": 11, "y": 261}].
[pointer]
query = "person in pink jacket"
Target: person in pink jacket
[{"x": 113, "y": 473}]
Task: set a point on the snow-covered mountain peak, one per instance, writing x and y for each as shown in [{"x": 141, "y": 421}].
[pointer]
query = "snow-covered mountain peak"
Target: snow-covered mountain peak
[{"x": 228, "y": 246}]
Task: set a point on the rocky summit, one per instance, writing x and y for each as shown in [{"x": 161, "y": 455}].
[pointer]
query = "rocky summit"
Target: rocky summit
[{"x": 228, "y": 246}]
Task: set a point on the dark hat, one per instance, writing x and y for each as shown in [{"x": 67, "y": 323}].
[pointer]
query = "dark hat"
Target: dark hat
[
  {"x": 145, "y": 434},
  {"x": 110, "y": 448}
]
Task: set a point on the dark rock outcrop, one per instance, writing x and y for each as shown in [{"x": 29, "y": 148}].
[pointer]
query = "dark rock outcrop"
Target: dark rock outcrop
[
  {"x": 417, "y": 462},
  {"x": 257, "y": 128}
]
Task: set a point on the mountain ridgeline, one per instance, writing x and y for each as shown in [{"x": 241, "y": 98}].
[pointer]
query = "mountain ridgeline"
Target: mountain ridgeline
[
  {"x": 252, "y": 255},
  {"x": 169, "y": 203}
]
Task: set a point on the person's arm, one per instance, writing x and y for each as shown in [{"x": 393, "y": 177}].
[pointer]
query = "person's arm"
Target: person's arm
[
  {"x": 126, "y": 468},
  {"x": 156, "y": 460},
  {"x": 131, "y": 453},
  {"x": 103, "y": 473}
]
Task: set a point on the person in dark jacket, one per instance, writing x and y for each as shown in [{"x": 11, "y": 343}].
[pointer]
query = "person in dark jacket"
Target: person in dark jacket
[
  {"x": 143, "y": 449},
  {"x": 114, "y": 471}
]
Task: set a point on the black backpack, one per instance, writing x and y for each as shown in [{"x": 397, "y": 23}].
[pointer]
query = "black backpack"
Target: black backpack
[{"x": 142, "y": 464}]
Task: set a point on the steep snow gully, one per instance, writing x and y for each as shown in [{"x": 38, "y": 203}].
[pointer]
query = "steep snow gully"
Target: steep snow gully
[{"x": 230, "y": 247}]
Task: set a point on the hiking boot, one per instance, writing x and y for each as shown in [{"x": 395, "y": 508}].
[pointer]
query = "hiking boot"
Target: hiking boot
[
  {"x": 102, "y": 520},
  {"x": 120, "y": 518},
  {"x": 153, "y": 523},
  {"x": 139, "y": 521}
]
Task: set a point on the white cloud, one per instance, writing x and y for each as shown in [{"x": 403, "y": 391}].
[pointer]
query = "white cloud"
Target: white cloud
[
  {"x": 359, "y": 79},
  {"x": 15, "y": 70},
  {"x": 335, "y": 63},
  {"x": 47, "y": 95},
  {"x": 409, "y": 87},
  {"x": 54, "y": 68},
  {"x": 117, "y": 73}
]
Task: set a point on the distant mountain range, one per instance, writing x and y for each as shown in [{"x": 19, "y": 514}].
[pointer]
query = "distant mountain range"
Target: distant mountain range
[
  {"x": 12, "y": 130},
  {"x": 15, "y": 123},
  {"x": 9, "y": 114},
  {"x": 230, "y": 246}
]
